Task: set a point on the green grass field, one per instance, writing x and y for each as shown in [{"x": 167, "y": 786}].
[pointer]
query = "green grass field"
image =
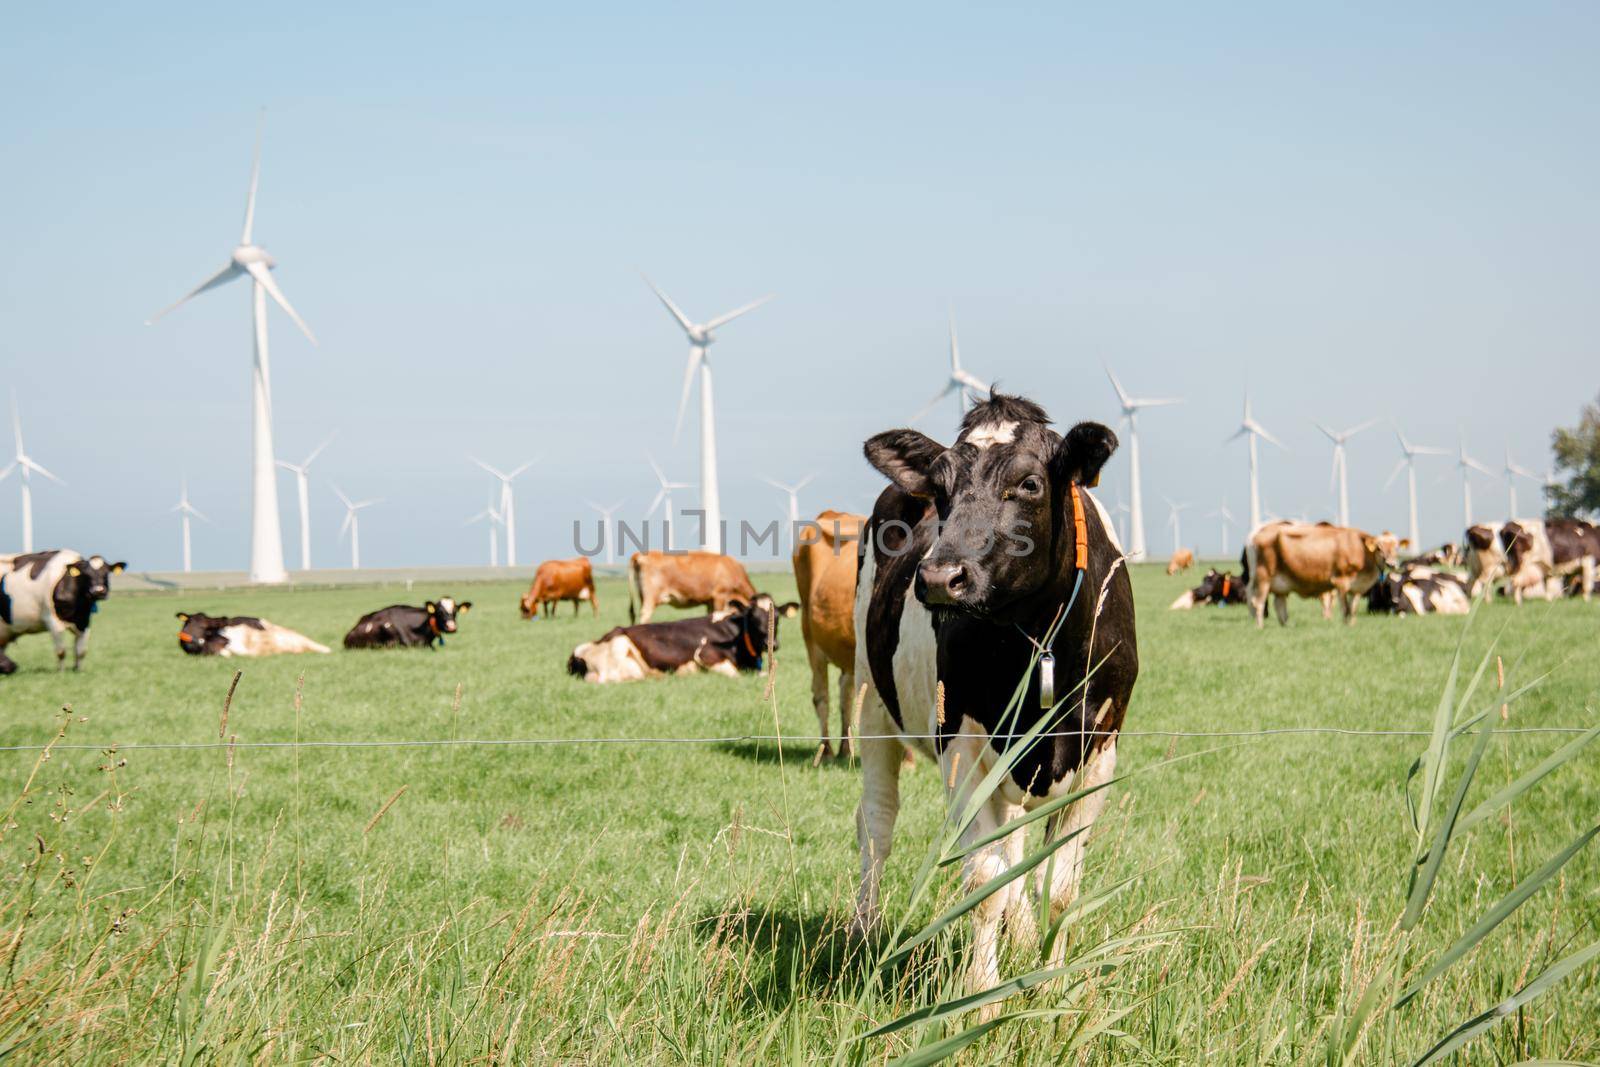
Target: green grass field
[{"x": 657, "y": 903}]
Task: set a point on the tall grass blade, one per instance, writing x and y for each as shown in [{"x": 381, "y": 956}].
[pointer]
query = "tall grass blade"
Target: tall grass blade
[
  {"x": 1422, "y": 879},
  {"x": 949, "y": 1046},
  {"x": 1522, "y": 784}
]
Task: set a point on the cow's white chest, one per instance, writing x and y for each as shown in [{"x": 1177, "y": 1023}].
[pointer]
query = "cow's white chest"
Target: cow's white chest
[{"x": 916, "y": 674}]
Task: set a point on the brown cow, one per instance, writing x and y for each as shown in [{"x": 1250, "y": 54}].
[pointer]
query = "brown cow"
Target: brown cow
[
  {"x": 1314, "y": 561},
  {"x": 557, "y": 580},
  {"x": 825, "y": 571},
  {"x": 1181, "y": 561},
  {"x": 685, "y": 580}
]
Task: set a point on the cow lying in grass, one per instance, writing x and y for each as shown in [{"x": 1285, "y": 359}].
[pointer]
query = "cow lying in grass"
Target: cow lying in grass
[
  {"x": 55, "y": 592},
  {"x": 1214, "y": 588},
  {"x": 1419, "y": 590},
  {"x": 239, "y": 635},
  {"x": 725, "y": 643},
  {"x": 403, "y": 626}
]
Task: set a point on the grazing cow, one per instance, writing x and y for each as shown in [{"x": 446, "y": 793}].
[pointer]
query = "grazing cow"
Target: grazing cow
[
  {"x": 1214, "y": 588},
  {"x": 825, "y": 570},
  {"x": 1486, "y": 561},
  {"x": 1414, "y": 589},
  {"x": 686, "y": 580},
  {"x": 1540, "y": 553},
  {"x": 403, "y": 626},
  {"x": 560, "y": 579},
  {"x": 239, "y": 635},
  {"x": 725, "y": 642},
  {"x": 973, "y": 555},
  {"x": 56, "y": 591},
  {"x": 1181, "y": 561},
  {"x": 1314, "y": 561}
]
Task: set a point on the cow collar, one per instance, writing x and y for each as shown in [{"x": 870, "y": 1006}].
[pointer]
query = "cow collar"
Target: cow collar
[
  {"x": 1225, "y": 586},
  {"x": 433, "y": 624}
]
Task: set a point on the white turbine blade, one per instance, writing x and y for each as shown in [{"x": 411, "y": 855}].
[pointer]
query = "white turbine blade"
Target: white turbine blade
[
  {"x": 695, "y": 355},
  {"x": 7, "y": 472},
  {"x": 35, "y": 468},
  {"x": 1352, "y": 431},
  {"x": 342, "y": 498},
  {"x": 1424, "y": 450},
  {"x": 723, "y": 320},
  {"x": 955, "y": 347},
  {"x": 1122, "y": 396},
  {"x": 1155, "y": 401},
  {"x": 306, "y": 463},
  {"x": 972, "y": 381},
  {"x": 683, "y": 320},
  {"x": 226, "y": 274},
  {"x": 513, "y": 475},
  {"x": 196, "y": 513},
  {"x": 1329, "y": 434},
  {"x": 488, "y": 468},
  {"x": 930, "y": 405},
  {"x": 661, "y": 495},
  {"x": 776, "y": 484},
  {"x": 349, "y": 517},
  {"x": 255, "y": 180},
  {"x": 16, "y": 424},
  {"x": 1261, "y": 431},
  {"x": 263, "y": 277},
  {"x": 803, "y": 482},
  {"x": 1398, "y": 467},
  {"x": 286, "y": 465},
  {"x": 656, "y": 469},
  {"x": 1235, "y": 435}
]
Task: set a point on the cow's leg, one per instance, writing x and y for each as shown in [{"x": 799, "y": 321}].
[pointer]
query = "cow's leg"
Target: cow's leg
[
  {"x": 594, "y": 605},
  {"x": 1258, "y": 604},
  {"x": 58, "y": 638},
  {"x": 1280, "y": 608},
  {"x": 7, "y": 664},
  {"x": 847, "y": 712},
  {"x": 819, "y": 700},
  {"x": 1347, "y": 600},
  {"x": 1327, "y": 606},
  {"x": 880, "y": 804},
  {"x": 647, "y": 607},
  {"x": 961, "y": 765},
  {"x": 1065, "y": 868},
  {"x": 80, "y": 649},
  {"x": 1587, "y": 576}
]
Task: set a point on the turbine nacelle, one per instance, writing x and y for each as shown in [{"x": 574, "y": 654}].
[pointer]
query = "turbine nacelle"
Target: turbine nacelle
[{"x": 244, "y": 255}]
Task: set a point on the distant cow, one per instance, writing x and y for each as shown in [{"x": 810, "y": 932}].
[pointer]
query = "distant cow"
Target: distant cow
[
  {"x": 726, "y": 642},
  {"x": 1541, "y": 553},
  {"x": 1485, "y": 559},
  {"x": 1181, "y": 561},
  {"x": 56, "y": 591},
  {"x": 1419, "y": 590},
  {"x": 239, "y": 635},
  {"x": 1314, "y": 561},
  {"x": 557, "y": 580},
  {"x": 1214, "y": 588},
  {"x": 825, "y": 571},
  {"x": 403, "y": 626},
  {"x": 686, "y": 580},
  {"x": 1448, "y": 554}
]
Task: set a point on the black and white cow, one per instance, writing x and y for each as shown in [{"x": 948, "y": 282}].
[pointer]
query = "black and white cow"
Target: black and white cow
[
  {"x": 58, "y": 592},
  {"x": 404, "y": 626},
  {"x": 970, "y": 555},
  {"x": 1414, "y": 589},
  {"x": 1542, "y": 553},
  {"x": 724, "y": 643},
  {"x": 239, "y": 635},
  {"x": 1215, "y": 588}
]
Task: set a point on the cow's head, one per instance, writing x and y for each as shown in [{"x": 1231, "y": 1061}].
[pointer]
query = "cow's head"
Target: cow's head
[
  {"x": 1385, "y": 548},
  {"x": 201, "y": 634},
  {"x": 90, "y": 579},
  {"x": 1481, "y": 538},
  {"x": 1003, "y": 499},
  {"x": 1215, "y": 588},
  {"x": 755, "y": 623},
  {"x": 442, "y": 613},
  {"x": 1516, "y": 541}
]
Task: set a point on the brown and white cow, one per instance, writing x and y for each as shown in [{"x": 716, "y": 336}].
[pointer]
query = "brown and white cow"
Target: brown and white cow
[
  {"x": 1181, "y": 561},
  {"x": 1542, "y": 553},
  {"x": 726, "y": 642},
  {"x": 973, "y": 554},
  {"x": 1314, "y": 561},
  {"x": 686, "y": 580},
  {"x": 557, "y": 580},
  {"x": 240, "y": 635},
  {"x": 825, "y": 571}
]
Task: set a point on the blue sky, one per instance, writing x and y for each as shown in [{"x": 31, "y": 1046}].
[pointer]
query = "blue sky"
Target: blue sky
[{"x": 1365, "y": 212}]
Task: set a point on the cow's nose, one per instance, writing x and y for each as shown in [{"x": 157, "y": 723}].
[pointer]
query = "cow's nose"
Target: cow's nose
[
  {"x": 450, "y": 626},
  {"x": 942, "y": 583}
]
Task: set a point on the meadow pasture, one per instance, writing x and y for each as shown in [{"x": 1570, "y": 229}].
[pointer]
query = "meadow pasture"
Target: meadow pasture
[{"x": 641, "y": 902}]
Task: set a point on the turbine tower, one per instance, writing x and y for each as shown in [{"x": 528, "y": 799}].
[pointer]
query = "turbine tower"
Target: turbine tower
[
  {"x": 249, "y": 258},
  {"x": 188, "y": 511},
  {"x": 664, "y": 497},
  {"x": 1514, "y": 471},
  {"x": 1408, "y": 463},
  {"x": 1467, "y": 465},
  {"x": 352, "y": 523},
  {"x": 508, "y": 504},
  {"x": 793, "y": 492},
  {"x": 494, "y": 519},
  {"x": 607, "y": 534},
  {"x": 1227, "y": 520},
  {"x": 25, "y": 467},
  {"x": 1341, "y": 471},
  {"x": 1131, "y": 407},
  {"x": 966, "y": 385},
  {"x": 1175, "y": 520},
  {"x": 701, "y": 335},
  {"x": 1249, "y": 427},
  {"x": 302, "y": 483}
]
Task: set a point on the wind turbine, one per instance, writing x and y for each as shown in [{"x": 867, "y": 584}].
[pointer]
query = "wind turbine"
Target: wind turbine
[
  {"x": 966, "y": 385},
  {"x": 1408, "y": 463},
  {"x": 607, "y": 534},
  {"x": 25, "y": 467},
  {"x": 1227, "y": 520},
  {"x": 494, "y": 519},
  {"x": 508, "y": 504},
  {"x": 1467, "y": 465},
  {"x": 1131, "y": 407},
  {"x": 302, "y": 482},
  {"x": 1175, "y": 521},
  {"x": 1341, "y": 471},
  {"x": 794, "y": 500},
  {"x": 249, "y": 258},
  {"x": 1249, "y": 427},
  {"x": 701, "y": 335},
  {"x": 1514, "y": 471},
  {"x": 664, "y": 497},
  {"x": 352, "y": 522},
  {"x": 188, "y": 511}
]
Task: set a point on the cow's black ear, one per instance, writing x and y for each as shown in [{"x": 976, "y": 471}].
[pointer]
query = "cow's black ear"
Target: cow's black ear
[
  {"x": 789, "y": 610},
  {"x": 184, "y": 615},
  {"x": 119, "y": 566},
  {"x": 906, "y": 458},
  {"x": 431, "y": 606},
  {"x": 463, "y": 606},
  {"x": 1083, "y": 450}
]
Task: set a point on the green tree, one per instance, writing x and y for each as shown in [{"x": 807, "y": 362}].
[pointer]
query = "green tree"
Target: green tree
[{"x": 1577, "y": 450}]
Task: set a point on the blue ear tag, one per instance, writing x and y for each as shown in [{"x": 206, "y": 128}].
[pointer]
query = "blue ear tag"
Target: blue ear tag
[
  {"x": 94, "y": 607},
  {"x": 441, "y": 640}
]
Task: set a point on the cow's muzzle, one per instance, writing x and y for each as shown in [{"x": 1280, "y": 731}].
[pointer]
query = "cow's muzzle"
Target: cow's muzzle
[{"x": 939, "y": 583}]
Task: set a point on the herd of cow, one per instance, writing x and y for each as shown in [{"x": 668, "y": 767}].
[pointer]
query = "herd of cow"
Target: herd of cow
[
  {"x": 1542, "y": 558},
  {"x": 984, "y": 563}
]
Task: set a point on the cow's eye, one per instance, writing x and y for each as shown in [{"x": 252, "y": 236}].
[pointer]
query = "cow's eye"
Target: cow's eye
[{"x": 1030, "y": 486}]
